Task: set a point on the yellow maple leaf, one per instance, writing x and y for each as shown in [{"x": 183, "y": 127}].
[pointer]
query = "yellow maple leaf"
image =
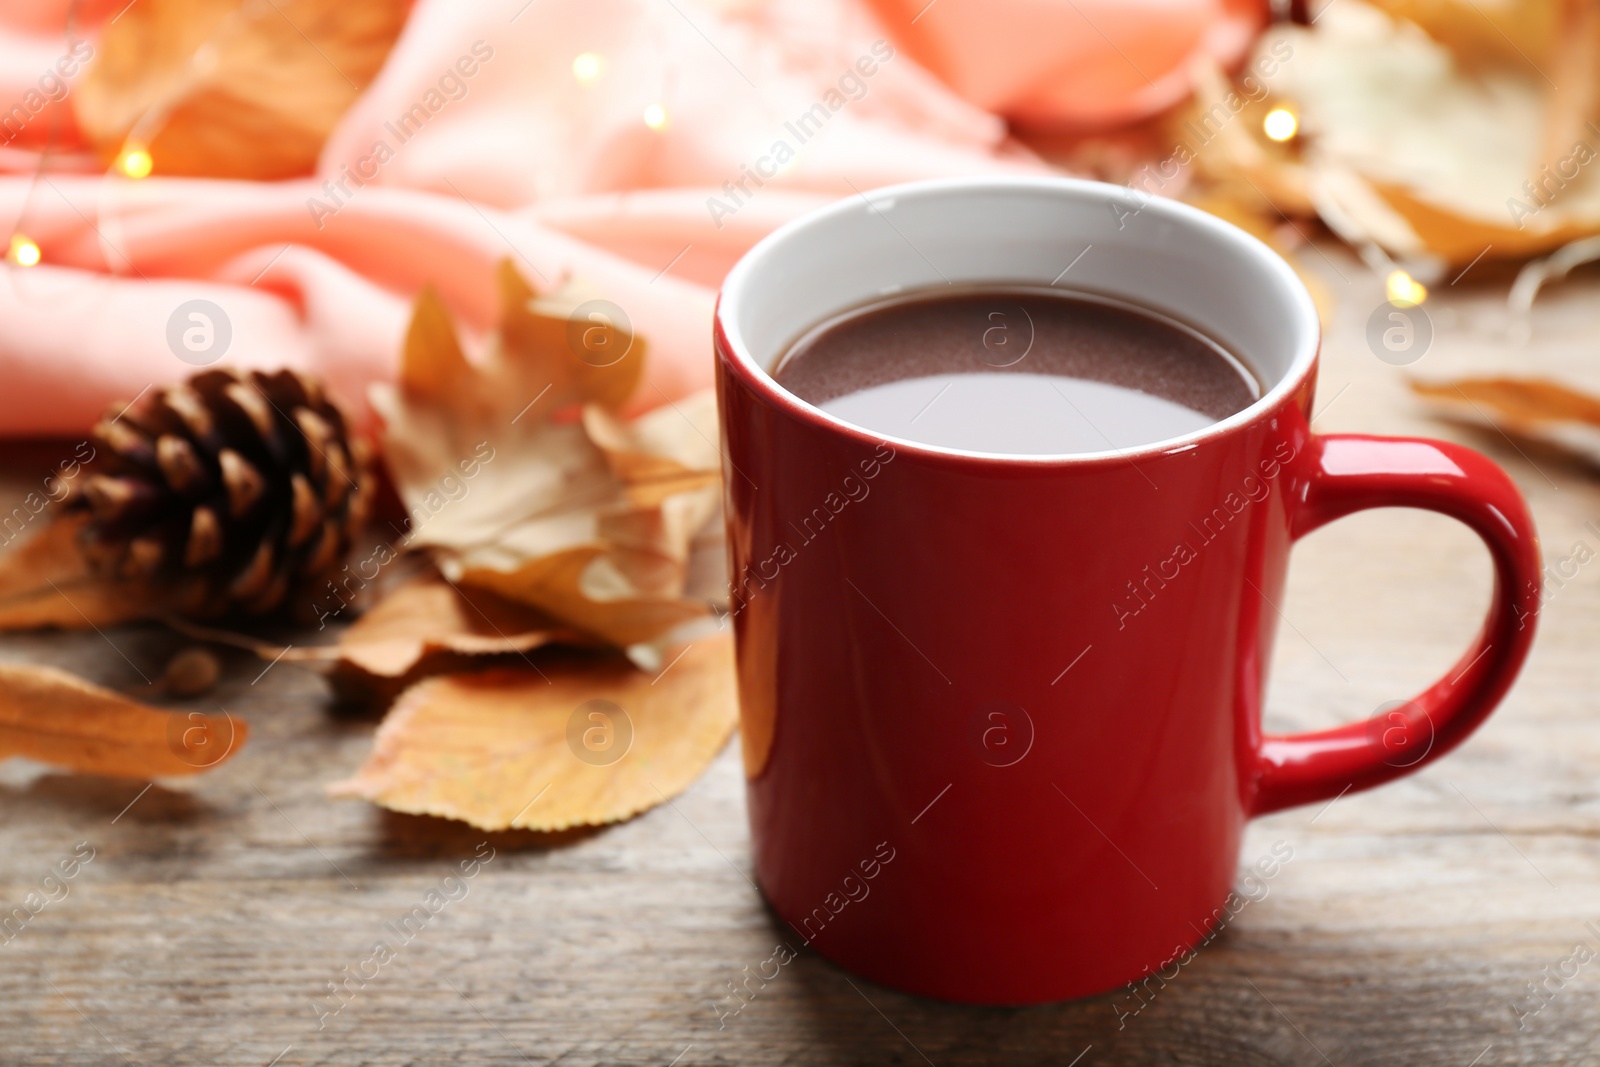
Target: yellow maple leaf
[{"x": 520, "y": 480}]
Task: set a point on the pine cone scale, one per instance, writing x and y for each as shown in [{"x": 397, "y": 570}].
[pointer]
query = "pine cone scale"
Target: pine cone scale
[
  {"x": 204, "y": 543},
  {"x": 180, "y": 465},
  {"x": 307, "y": 514},
  {"x": 244, "y": 483}
]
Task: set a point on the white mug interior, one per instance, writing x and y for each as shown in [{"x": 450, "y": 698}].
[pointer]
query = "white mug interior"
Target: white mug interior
[{"x": 1067, "y": 233}]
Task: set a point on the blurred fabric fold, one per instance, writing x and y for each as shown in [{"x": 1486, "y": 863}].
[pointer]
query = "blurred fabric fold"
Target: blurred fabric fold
[{"x": 640, "y": 145}]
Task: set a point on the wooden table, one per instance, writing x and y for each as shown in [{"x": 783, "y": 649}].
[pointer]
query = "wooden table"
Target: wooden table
[{"x": 216, "y": 911}]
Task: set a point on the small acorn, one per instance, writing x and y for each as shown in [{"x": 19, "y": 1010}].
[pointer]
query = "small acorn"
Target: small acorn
[{"x": 192, "y": 672}]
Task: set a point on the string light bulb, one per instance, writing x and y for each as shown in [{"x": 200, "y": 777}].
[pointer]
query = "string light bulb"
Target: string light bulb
[
  {"x": 587, "y": 67},
  {"x": 1280, "y": 124},
  {"x": 23, "y": 252},
  {"x": 1403, "y": 290},
  {"x": 655, "y": 117},
  {"x": 135, "y": 162}
]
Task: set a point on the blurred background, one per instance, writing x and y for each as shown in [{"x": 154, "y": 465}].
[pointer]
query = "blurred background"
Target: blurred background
[{"x": 308, "y": 166}]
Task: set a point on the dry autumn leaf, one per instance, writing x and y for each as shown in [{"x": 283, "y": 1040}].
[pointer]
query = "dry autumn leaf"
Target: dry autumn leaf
[
  {"x": 1404, "y": 144},
  {"x": 59, "y": 719},
  {"x": 45, "y": 581},
  {"x": 428, "y": 615},
  {"x": 1522, "y": 34},
  {"x": 224, "y": 89},
  {"x": 1572, "y": 92},
  {"x": 1531, "y": 408},
  {"x": 597, "y": 742},
  {"x": 588, "y": 519}
]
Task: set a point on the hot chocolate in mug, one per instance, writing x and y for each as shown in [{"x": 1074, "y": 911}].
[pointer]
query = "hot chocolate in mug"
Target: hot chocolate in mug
[{"x": 1001, "y": 714}]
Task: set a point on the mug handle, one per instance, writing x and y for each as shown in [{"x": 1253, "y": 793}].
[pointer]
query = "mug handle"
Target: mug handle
[{"x": 1350, "y": 473}]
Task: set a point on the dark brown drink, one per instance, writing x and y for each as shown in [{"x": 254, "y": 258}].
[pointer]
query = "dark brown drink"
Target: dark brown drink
[{"x": 1016, "y": 370}]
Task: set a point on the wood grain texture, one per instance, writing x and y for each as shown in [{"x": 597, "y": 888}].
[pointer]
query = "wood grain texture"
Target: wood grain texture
[{"x": 216, "y": 910}]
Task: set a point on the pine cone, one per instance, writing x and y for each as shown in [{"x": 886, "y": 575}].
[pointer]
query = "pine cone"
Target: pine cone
[{"x": 226, "y": 493}]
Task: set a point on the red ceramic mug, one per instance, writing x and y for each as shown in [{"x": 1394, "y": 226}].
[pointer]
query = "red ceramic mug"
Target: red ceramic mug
[{"x": 1001, "y": 714}]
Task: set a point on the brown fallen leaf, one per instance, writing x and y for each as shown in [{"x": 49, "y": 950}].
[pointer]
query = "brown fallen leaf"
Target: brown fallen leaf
[
  {"x": 628, "y": 584},
  {"x": 57, "y": 718},
  {"x": 520, "y": 480},
  {"x": 557, "y": 582},
  {"x": 1573, "y": 92},
  {"x": 1421, "y": 150},
  {"x": 428, "y": 615},
  {"x": 589, "y": 742},
  {"x": 1519, "y": 33},
  {"x": 1535, "y": 409},
  {"x": 452, "y": 426},
  {"x": 223, "y": 89},
  {"x": 45, "y": 581}
]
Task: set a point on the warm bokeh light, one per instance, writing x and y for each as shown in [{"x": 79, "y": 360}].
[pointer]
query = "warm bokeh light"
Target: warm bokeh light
[
  {"x": 135, "y": 162},
  {"x": 1403, "y": 290},
  {"x": 23, "y": 251},
  {"x": 1280, "y": 124},
  {"x": 588, "y": 66},
  {"x": 655, "y": 117}
]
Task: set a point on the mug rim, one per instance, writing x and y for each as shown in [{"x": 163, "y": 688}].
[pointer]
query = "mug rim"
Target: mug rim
[{"x": 730, "y": 341}]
